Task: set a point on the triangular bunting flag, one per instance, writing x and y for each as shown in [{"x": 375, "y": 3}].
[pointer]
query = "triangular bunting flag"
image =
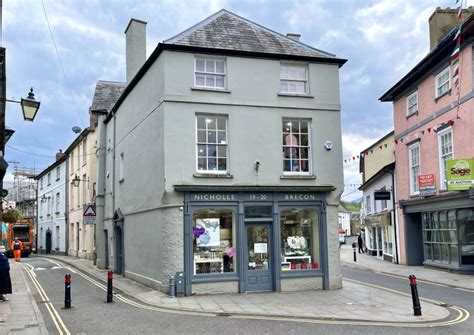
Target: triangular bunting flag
[
  {"x": 429, "y": 130},
  {"x": 396, "y": 141},
  {"x": 385, "y": 145}
]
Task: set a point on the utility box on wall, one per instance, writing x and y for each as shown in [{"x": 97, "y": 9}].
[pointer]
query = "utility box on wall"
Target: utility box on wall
[{"x": 180, "y": 284}]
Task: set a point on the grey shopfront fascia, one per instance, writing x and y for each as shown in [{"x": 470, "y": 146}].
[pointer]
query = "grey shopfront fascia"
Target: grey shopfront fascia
[{"x": 236, "y": 199}]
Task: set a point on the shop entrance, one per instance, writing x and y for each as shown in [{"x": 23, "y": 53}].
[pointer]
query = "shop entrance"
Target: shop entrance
[
  {"x": 48, "y": 241},
  {"x": 258, "y": 257}
]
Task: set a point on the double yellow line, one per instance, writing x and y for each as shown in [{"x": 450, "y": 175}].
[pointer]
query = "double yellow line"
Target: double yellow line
[{"x": 58, "y": 322}]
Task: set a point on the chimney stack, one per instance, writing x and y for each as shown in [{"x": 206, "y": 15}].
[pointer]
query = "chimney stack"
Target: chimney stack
[
  {"x": 443, "y": 20},
  {"x": 135, "y": 36},
  {"x": 59, "y": 155},
  {"x": 294, "y": 36}
]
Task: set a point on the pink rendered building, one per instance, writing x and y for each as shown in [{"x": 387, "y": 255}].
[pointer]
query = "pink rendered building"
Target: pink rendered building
[{"x": 432, "y": 125}]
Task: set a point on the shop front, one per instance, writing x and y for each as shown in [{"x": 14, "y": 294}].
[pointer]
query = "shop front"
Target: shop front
[
  {"x": 254, "y": 240},
  {"x": 441, "y": 231},
  {"x": 379, "y": 235}
]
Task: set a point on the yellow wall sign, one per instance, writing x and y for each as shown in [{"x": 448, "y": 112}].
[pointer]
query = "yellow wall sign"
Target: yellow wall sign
[{"x": 460, "y": 174}]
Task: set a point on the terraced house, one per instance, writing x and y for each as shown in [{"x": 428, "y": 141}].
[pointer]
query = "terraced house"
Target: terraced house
[{"x": 222, "y": 160}]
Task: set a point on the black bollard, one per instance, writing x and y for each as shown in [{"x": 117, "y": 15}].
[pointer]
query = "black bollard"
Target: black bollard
[
  {"x": 109, "y": 286},
  {"x": 354, "y": 246},
  {"x": 414, "y": 296},
  {"x": 67, "y": 293}
]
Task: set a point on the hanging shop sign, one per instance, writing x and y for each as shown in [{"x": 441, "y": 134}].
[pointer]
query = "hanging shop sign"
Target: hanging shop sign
[
  {"x": 382, "y": 195},
  {"x": 460, "y": 174},
  {"x": 426, "y": 184}
]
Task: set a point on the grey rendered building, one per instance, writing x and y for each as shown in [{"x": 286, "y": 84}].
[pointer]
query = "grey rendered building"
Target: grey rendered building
[{"x": 222, "y": 159}]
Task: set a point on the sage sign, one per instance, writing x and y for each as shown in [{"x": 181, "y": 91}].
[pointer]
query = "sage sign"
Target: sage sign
[{"x": 460, "y": 174}]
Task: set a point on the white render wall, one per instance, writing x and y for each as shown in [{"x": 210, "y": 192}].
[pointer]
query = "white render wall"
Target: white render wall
[
  {"x": 51, "y": 215},
  {"x": 154, "y": 130}
]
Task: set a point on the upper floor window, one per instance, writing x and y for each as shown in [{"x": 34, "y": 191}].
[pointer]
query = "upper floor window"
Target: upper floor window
[
  {"x": 57, "y": 202},
  {"x": 84, "y": 151},
  {"x": 445, "y": 141},
  {"x": 71, "y": 165},
  {"x": 209, "y": 73},
  {"x": 78, "y": 156},
  {"x": 294, "y": 79},
  {"x": 367, "y": 204},
  {"x": 41, "y": 183},
  {"x": 443, "y": 83},
  {"x": 211, "y": 143},
  {"x": 121, "y": 167},
  {"x": 58, "y": 173},
  {"x": 414, "y": 161},
  {"x": 49, "y": 178},
  {"x": 412, "y": 103},
  {"x": 296, "y": 146}
]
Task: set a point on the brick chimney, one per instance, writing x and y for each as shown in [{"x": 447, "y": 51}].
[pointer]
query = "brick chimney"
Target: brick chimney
[
  {"x": 135, "y": 40},
  {"x": 60, "y": 154},
  {"x": 443, "y": 20}
]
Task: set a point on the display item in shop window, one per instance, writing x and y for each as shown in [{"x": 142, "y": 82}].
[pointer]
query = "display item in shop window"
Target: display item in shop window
[
  {"x": 230, "y": 251},
  {"x": 198, "y": 231}
]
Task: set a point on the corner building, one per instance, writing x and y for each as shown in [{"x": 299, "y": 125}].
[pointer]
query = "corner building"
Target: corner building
[{"x": 222, "y": 159}]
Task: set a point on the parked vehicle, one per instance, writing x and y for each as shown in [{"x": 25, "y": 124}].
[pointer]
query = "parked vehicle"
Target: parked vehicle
[
  {"x": 342, "y": 236},
  {"x": 24, "y": 230}
]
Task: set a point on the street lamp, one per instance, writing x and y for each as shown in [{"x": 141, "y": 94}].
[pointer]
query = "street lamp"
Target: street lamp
[
  {"x": 76, "y": 180},
  {"x": 29, "y": 106}
]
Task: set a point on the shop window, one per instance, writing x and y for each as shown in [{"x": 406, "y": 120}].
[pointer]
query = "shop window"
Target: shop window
[
  {"x": 465, "y": 220},
  {"x": 300, "y": 242},
  {"x": 296, "y": 146},
  {"x": 211, "y": 140},
  {"x": 214, "y": 241},
  {"x": 258, "y": 212}
]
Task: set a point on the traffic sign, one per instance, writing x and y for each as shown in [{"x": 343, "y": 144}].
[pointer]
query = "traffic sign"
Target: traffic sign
[{"x": 88, "y": 216}]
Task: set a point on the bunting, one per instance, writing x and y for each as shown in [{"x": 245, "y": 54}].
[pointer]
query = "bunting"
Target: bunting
[{"x": 455, "y": 69}]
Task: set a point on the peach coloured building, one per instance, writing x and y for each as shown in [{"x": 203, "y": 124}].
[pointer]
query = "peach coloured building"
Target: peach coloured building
[{"x": 432, "y": 126}]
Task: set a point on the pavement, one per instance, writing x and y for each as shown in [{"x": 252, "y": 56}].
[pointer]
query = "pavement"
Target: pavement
[{"x": 355, "y": 302}]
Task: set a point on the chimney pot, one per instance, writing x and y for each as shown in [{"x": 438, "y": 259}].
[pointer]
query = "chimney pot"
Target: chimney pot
[{"x": 294, "y": 36}]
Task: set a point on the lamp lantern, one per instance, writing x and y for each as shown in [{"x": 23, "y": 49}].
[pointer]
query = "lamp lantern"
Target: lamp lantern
[{"x": 29, "y": 106}]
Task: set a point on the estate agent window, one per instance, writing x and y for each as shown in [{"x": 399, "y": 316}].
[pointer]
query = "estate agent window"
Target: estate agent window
[
  {"x": 296, "y": 146},
  {"x": 210, "y": 73},
  {"x": 445, "y": 140},
  {"x": 443, "y": 83},
  {"x": 212, "y": 143},
  {"x": 300, "y": 241},
  {"x": 414, "y": 161},
  {"x": 214, "y": 241},
  {"x": 294, "y": 79}
]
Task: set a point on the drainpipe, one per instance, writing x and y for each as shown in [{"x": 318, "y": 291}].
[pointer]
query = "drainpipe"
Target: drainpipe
[
  {"x": 100, "y": 195},
  {"x": 66, "y": 208}
]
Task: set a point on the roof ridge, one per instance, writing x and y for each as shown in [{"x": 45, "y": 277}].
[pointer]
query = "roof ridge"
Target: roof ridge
[{"x": 225, "y": 11}]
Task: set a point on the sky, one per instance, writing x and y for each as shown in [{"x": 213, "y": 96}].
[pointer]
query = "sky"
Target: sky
[{"x": 382, "y": 41}]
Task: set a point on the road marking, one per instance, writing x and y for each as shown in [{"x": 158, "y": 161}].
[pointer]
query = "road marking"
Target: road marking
[
  {"x": 55, "y": 263},
  {"x": 462, "y": 314},
  {"x": 58, "y": 322},
  {"x": 426, "y": 282}
]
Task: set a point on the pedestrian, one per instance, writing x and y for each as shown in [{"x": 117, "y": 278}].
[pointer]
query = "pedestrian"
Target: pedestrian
[
  {"x": 17, "y": 247},
  {"x": 5, "y": 281},
  {"x": 360, "y": 243}
]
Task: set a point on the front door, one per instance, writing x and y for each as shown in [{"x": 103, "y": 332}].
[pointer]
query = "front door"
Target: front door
[
  {"x": 258, "y": 258},
  {"x": 48, "y": 242},
  {"x": 118, "y": 250}
]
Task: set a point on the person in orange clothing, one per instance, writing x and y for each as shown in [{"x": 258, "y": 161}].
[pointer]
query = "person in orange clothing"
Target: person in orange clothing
[{"x": 17, "y": 247}]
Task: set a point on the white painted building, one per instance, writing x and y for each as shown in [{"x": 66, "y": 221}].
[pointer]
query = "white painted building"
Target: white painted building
[{"x": 51, "y": 207}]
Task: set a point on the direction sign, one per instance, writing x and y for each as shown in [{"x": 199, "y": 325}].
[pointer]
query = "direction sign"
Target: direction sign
[{"x": 89, "y": 214}]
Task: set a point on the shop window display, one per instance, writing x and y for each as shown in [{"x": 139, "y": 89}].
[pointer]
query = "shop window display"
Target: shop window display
[
  {"x": 214, "y": 241},
  {"x": 299, "y": 239}
]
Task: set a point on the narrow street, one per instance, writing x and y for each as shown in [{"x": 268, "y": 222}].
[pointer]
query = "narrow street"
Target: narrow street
[{"x": 91, "y": 315}]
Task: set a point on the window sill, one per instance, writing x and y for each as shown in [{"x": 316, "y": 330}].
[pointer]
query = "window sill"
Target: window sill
[
  {"x": 209, "y": 89},
  {"x": 412, "y": 114},
  {"x": 57, "y": 213},
  {"x": 213, "y": 175},
  {"x": 295, "y": 95},
  {"x": 295, "y": 176},
  {"x": 301, "y": 273},
  {"x": 448, "y": 92}
]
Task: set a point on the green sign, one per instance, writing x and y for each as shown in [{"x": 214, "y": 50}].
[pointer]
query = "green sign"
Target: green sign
[{"x": 460, "y": 174}]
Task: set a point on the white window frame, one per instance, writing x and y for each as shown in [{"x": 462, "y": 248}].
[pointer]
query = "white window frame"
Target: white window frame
[
  {"x": 442, "y": 158},
  {"x": 295, "y": 80},
  {"x": 299, "y": 147},
  {"x": 415, "y": 104},
  {"x": 58, "y": 173},
  {"x": 437, "y": 86},
  {"x": 414, "y": 179},
  {"x": 49, "y": 178},
  {"x": 58, "y": 196},
  {"x": 207, "y": 74},
  {"x": 84, "y": 151},
  {"x": 207, "y": 143}
]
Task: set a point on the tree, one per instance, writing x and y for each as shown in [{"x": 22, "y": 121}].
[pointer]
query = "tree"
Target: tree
[{"x": 11, "y": 215}]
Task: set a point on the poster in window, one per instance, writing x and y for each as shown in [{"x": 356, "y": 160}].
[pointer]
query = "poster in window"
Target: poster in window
[{"x": 210, "y": 237}]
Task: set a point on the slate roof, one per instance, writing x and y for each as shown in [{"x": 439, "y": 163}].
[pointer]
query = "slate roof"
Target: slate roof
[
  {"x": 225, "y": 30},
  {"x": 106, "y": 94}
]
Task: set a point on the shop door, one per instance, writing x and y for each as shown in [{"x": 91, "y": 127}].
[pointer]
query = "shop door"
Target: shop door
[
  {"x": 48, "y": 241},
  {"x": 258, "y": 258}
]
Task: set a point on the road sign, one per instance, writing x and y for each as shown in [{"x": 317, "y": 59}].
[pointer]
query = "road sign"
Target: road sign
[{"x": 89, "y": 214}]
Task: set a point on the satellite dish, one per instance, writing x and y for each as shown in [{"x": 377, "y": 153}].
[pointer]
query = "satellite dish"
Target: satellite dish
[{"x": 76, "y": 129}]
